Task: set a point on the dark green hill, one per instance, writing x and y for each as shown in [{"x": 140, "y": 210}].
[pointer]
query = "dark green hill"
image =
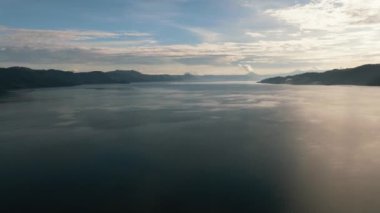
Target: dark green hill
[
  {"x": 21, "y": 77},
  {"x": 366, "y": 75}
]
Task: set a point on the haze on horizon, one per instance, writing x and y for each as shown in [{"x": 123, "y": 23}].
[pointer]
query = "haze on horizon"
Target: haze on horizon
[{"x": 197, "y": 36}]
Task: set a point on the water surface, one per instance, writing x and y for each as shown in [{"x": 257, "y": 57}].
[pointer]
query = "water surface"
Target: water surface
[{"x": 190, "y": 147}]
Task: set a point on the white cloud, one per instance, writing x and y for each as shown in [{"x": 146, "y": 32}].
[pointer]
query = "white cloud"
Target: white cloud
[
  {"x": 330, "y": 15},
  {"x": 59, "y": 38},
  {"x": 136, "y": 34},
  {"x": 246, "y": 67},
  {"x": 255, "y": 35},
  {"x": 204, "y": 34}
]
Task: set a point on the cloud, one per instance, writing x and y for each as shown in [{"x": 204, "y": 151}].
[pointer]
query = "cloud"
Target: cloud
[
  {"x": 330, "y": 15},
  {"x": 204, "y": 59},
  {"x": 325, "y": 51},
  {"x": 60, "y": 38},
  {"x": 136, "y": 34},
  {"x": 255, "y": 35},
  {"x": 321, "y": 33},
  {"x": 205, "y": 35},
  {"x": 246, "y": 67}
]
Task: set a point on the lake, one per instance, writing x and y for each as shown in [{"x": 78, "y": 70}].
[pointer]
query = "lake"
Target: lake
[{"x": 190, "y": 147}]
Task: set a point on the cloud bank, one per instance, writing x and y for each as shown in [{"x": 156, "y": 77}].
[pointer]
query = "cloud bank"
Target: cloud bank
[{"x": 270, "y": 37}]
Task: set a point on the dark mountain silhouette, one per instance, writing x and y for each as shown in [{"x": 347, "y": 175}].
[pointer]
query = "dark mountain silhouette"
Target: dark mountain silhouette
[
  {"x": 21, "y": 77},
  {"x": 366, "y": 75},
  {"x": 134, "y": 76}
]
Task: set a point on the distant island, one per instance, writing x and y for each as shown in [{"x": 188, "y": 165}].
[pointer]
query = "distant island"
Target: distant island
[
  {"x": 365, "y": 75},
  {"x": 22, "y": 78}
]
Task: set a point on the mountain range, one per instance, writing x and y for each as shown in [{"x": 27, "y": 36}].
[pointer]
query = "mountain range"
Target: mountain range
[
  {"x": 365, "y": 75},
  {"x": 22, "y": 77}
]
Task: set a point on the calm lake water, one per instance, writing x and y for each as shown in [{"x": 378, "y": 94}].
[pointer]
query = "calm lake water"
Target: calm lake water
[{"x": 190, "y": 147}]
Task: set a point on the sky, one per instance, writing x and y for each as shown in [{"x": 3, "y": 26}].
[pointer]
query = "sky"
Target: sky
[{"x": 195, "y": 36}]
